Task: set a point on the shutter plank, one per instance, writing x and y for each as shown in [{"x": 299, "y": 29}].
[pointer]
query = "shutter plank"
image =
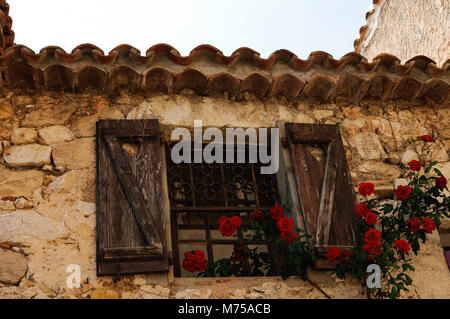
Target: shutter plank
[
  {"x": 128, "y": 253},
  {"x": 133, "y": 194},
  {"x": 327, "y": 195},
  {"x": 133, "y": 267}
]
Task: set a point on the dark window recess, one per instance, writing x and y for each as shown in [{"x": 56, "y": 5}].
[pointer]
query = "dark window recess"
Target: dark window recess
[
  {"x": 200, "y": 193},
  {"x": 325, "y": 190},
  {"x": 131, "y": 234}
]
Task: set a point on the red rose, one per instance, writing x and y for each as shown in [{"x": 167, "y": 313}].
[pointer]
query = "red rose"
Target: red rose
[
  {"x": 403, "y": 245},
  {"x": 288, "y": 236},
  {"x": 226, "y": 227},
  {"x": 257, "y": 215},
  {"x": 370, "y": 218},
  {"x": 414, "y": 224},
  {"x": 201, "y": 266},
  {"x": 441, "y": 182},
  {"x": 333, "y": 253},
  {"x": 402, "y": 192},
  {"x": 414, "y": 165},
  {"x": 276, "y": 212},
  {"x": 346, "y": 255},
  {"x": 428, "y": 225},
  {"x": 285, "y": 224},
  {"x": 188, "y": 264},
  {"x": 373, "y": 248},
  {"x": 365, "y": 189},
  {"x": 199, "y": 256},
  {"x": 222, "y": 219},
  {"x": 426, "y": 138},
  {"x": 188, "y": 255},
  {"x": 236, "y": 221},
  {"x": 372, "y": 236},
  {"x": 362, "y": 209}
]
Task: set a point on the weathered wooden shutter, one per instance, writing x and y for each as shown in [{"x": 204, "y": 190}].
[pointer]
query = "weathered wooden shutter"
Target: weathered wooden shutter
[
  {"x": 325, "y": 190},
  {"x": 131, "y": 236}
]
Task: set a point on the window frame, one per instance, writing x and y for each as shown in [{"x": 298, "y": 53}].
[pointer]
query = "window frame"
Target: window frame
[{"x": 206, "y": 211}]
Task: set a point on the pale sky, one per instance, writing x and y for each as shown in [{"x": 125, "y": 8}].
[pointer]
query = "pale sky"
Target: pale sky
[{"x": 301, "y": 26}]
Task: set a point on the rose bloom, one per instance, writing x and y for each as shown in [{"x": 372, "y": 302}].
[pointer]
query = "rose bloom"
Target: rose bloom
[
  {"x": 201, "y": 266},
  {"x": 365, "y": 189},
  {"x": 236, "y": 221},
  {"x": 333, "y": 253},
  {"x": 414, "y": 224},
  {"x": 285, "y": 224},
  {"x": 372, "y": 236},
  {"x": 222, "y": 219},
  {"x": 426, "y": 138},
  {"x": 403, "y": 192},
  {"x": 362, "y": 209},
  {"x": 188, "y": 264},
  {"x": 441, "y": 182},
  {"x": 257, "y": 215},
  {"x": 199, "y": 256},
  {"x": 371, "y": 218},
  {"x": 188, "y": 255},
  {"x": 414, "y": 165},
  {"x": 428, "y": 225},
  {"x": 403, "y": 245},
  {"x": 346, "y": 255},
  {"x": 276, "y": 212},
  {"x": 373, "y": 248},
  {"x": 226, "y": 227},
  {"x": 288, "y": 236}
]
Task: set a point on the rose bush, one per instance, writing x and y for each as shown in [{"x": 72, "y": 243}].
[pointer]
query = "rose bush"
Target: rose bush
[
  {"x": 393, "y": 230},
  {"x": 289, "y": 252}
]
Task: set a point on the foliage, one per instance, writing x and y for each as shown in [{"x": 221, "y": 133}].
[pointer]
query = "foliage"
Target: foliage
[
  {"x": 391, "y": 231},
  {"x": 288, "y": 252}
]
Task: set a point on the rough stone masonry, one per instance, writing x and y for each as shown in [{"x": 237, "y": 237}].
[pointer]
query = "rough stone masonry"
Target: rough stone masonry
[{"x": 47, "y": 187}]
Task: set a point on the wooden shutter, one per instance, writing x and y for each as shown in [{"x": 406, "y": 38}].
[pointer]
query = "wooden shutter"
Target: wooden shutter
[
  {"x": 325, "y": 190},
  {"x": 131, "y": 236}
]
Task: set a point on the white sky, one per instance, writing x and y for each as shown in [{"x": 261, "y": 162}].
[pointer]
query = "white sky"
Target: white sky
[{"x": 301, "y": 26}]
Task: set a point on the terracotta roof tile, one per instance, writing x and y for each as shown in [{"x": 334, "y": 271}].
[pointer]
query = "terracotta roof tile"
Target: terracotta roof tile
[
  {"x": 206, "y": 71},
  {"x": 6, "y": 34}
]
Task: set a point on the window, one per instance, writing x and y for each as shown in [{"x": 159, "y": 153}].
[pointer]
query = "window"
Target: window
[
  {"x": 200, "y": 193},
  {"x": 133, "y": 222}
]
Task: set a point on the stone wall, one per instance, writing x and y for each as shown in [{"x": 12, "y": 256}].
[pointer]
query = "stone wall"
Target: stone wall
[
  {"x": 407, "y": 28},
  {"x": 47, "y": 188}
]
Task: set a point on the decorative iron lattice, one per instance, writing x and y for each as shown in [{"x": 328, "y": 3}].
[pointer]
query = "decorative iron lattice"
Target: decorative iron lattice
[{"x": 200, "y": 193}]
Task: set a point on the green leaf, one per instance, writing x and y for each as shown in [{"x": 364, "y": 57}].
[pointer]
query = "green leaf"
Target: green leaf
[
  {"x": 394, "y": 292},
  {"x": 388, "y": 208}
]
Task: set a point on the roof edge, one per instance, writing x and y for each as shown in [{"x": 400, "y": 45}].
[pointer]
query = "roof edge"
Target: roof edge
[{"x": 366, "y": 32}]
